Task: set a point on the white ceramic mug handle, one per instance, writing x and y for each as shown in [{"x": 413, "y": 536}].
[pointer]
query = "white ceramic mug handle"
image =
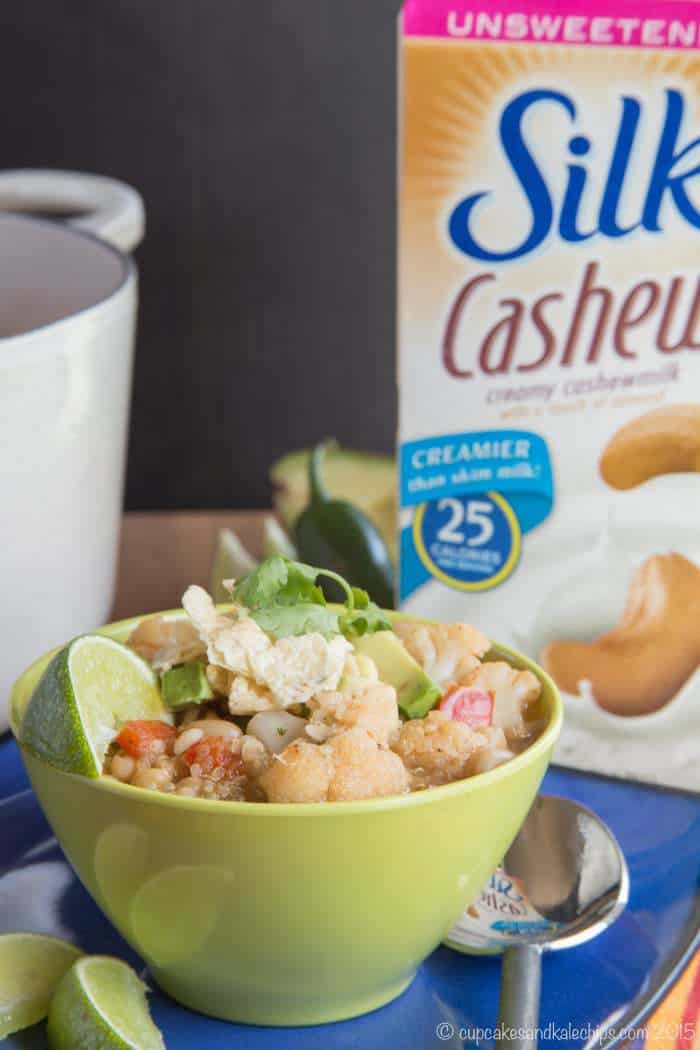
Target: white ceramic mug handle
[{"x": 105, "y": 207}]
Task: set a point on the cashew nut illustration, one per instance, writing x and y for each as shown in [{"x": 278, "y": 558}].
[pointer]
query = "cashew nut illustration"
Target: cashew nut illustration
[
  {"x": 665, "y": 441},
  {"x": 641, "y": 664}
]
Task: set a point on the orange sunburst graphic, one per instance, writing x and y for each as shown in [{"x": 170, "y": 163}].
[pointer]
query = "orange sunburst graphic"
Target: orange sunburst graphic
[
  {"x": 451, "y": 88},
  {"x": 453, "y": 95}
]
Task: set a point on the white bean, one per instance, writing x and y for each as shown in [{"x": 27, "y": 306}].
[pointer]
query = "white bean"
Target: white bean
[
  {"x": 187, "y": 739},
  {"x": 217, "y": 727},
  {"x": 122, "y": 767},
  {"x": 155, "y": 779},
  {"x": 168, "y": 764}
]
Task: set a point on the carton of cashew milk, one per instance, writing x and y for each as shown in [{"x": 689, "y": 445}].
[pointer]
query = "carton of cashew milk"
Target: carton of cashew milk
[{"x": 549, "y": 354}]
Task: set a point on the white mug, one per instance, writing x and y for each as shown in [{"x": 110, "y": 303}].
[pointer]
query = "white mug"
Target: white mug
[{"x": 68, "y": 298}]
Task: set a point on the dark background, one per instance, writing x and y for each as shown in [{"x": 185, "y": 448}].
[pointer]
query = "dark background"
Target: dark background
[{"x": 261, "y": 135}]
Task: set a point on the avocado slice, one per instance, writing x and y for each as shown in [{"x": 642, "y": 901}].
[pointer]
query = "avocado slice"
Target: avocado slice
[
  {"x": 362, "y": 478},
  {"x": 416, "y": 692},
  {"x": 185, "y": 685}
]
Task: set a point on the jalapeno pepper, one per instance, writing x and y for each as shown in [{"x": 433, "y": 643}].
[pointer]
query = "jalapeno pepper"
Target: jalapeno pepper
[{"x": 335, "y": 534}]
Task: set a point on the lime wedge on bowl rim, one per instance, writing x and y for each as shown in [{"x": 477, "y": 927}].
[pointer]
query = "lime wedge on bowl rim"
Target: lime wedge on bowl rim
[
  {"x": 231, "y": 561},
  {"x": 31, "y": 967},
  {"x": 89, "y": 689},
  {"x": 100, "y": 1004}
]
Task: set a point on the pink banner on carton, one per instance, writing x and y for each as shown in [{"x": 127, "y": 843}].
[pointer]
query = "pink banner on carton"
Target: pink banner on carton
[{"x": 673, "y": 24}]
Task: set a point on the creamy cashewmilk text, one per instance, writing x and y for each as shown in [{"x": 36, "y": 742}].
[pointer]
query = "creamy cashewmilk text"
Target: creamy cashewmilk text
[{"x": 549, "y": 354}]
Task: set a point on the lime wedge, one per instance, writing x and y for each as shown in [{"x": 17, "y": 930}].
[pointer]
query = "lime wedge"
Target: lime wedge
[
  {"x": 276, "y": 540},
  {"x": 85, "y": 694},
  {"x": 231, "y": 561},
  {"x": 30, "y": 968},
  {"x": 100, "y": 1004}
]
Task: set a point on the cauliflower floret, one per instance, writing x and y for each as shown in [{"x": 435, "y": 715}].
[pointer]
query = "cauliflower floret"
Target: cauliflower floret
[
  {"x": 363, "y": 769},
  {"x": 302, "y": 773},
  {"x": 513, "y": 692},
  {"x": 437, "y": 748},
  {"x": 350, "y": 766},
  {"x": 295, "y": 669},
  {"x": 219, "y": 679},
  {"x": 446, "y": 652},
  {"x": 374, "y": 709},
  {"x": 231, "y": 643},
  {"x": 494, "y": 750},
  {"x": 256, "y": 758},
  {"x": 165, "y": 643},
  {"x": 244, "y": 696},
  {"x": 247, "y": 698}
]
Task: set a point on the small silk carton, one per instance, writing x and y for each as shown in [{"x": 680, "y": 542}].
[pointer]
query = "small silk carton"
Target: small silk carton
[{"x": 549, "y": 354}]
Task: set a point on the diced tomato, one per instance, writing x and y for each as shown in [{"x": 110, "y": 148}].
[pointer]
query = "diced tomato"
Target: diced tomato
[
  {"x": 211, "y": 754},
  {"x": 467, "y": 704},
  {"x": 138, "y": 738}
]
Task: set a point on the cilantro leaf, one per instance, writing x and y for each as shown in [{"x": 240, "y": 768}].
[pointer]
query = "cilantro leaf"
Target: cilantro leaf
[
  {"x": 262, "y": 585},
  {"x": 287, "y": 621},
  {"x": 300, "y": 586},
  {"x": 284, "y": 599},
  {"x": 360, "y": 598},
  {"x": 364, "y": 619},
  {"x": 278, "y": 581}
]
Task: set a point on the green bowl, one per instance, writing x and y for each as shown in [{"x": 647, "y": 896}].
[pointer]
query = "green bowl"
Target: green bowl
[{"x": 287, "y": 914}]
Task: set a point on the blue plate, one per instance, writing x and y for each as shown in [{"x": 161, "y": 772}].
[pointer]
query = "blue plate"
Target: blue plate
[{"x": 587, "y": 991}]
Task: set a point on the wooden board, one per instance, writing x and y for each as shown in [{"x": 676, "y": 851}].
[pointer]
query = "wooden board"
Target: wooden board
[{"x": 161, "y": 553}]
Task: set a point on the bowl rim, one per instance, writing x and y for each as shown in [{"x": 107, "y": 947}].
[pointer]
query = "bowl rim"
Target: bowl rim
[{"x": 539, "y": 748}]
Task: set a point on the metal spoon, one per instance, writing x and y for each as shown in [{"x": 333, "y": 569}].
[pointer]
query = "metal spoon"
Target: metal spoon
[{"x": 563, "y": 881}]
